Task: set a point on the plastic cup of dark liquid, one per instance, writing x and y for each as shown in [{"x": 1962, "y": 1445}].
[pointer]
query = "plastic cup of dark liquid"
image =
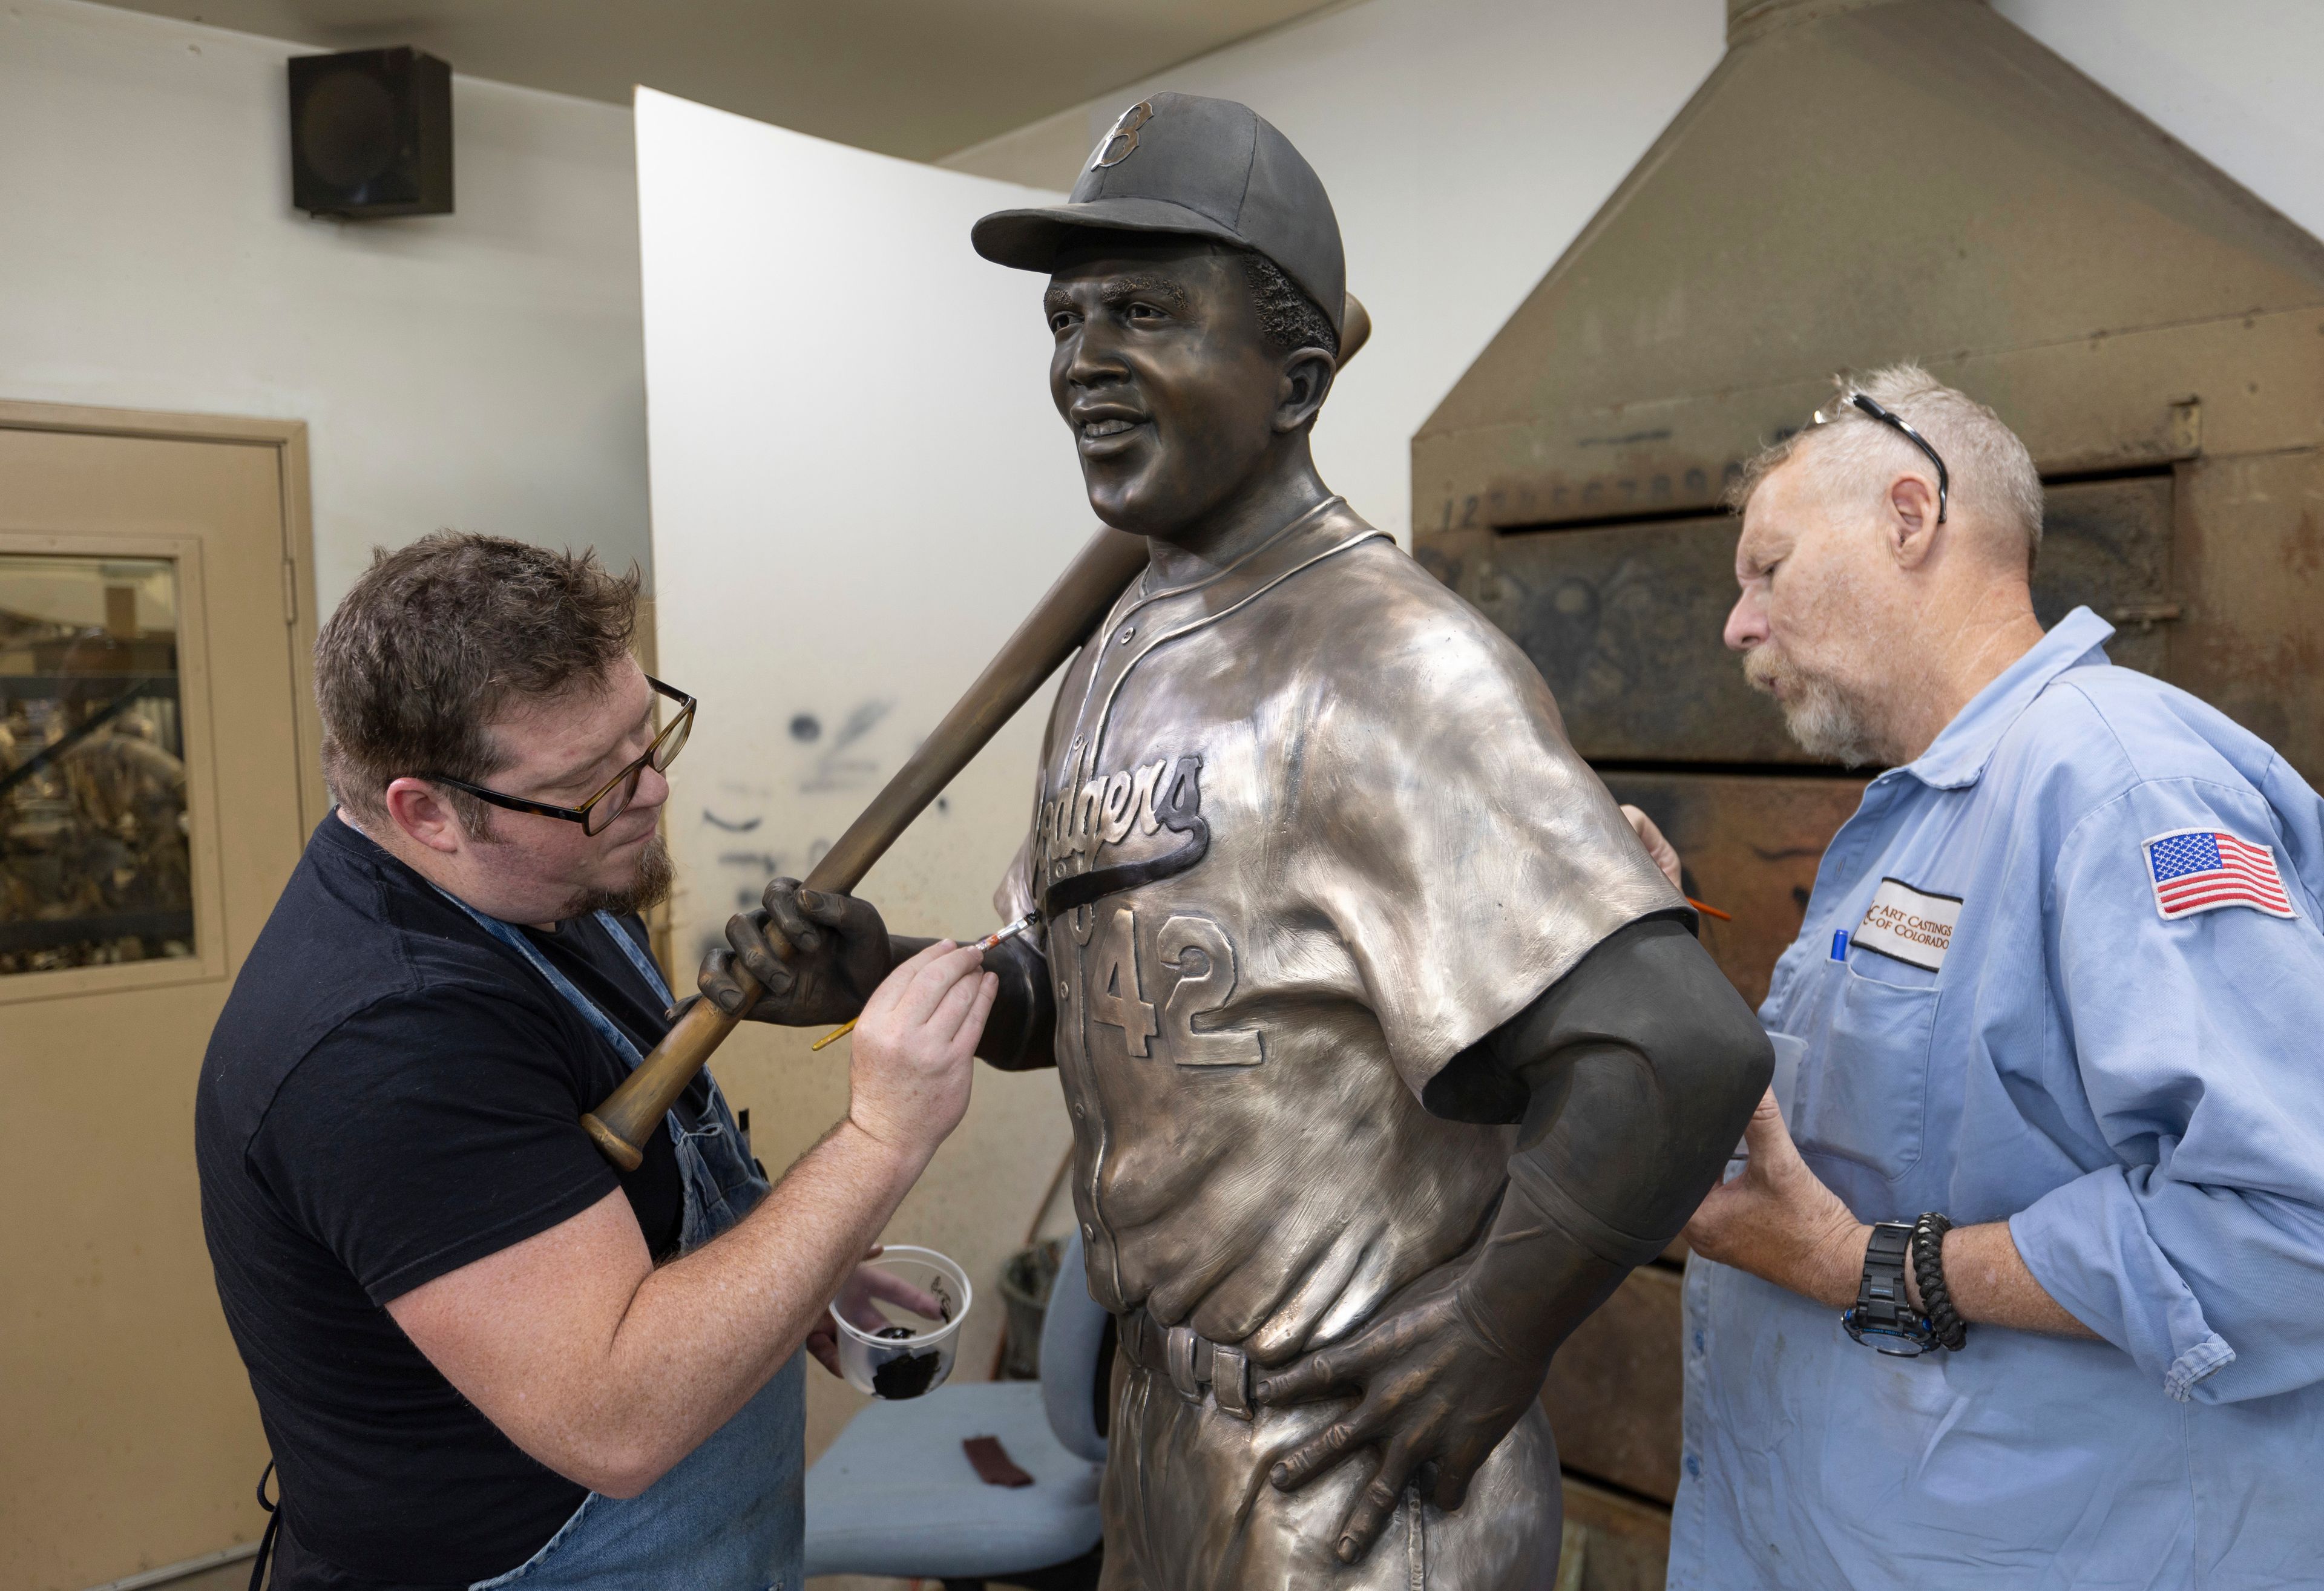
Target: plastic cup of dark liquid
[{"x": 898, "y": 1334}]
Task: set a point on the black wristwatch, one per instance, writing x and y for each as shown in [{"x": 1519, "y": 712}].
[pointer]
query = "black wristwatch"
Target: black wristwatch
[{"x": 1883, "y": 1316}]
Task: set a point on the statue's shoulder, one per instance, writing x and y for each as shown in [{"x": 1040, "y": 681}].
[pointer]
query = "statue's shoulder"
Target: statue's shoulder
[
  {"x": 1345, "y": 619},
  {"x": 1392, "y": 613}
]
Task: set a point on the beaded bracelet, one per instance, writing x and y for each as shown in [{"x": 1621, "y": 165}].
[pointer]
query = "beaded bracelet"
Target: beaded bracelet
[{"x": 1929, "y": 1271}]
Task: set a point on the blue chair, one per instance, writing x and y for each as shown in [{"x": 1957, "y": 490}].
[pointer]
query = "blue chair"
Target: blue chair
[{"x": 895, "y": 1495}]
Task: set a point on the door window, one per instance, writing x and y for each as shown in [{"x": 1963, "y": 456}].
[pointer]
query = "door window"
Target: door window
[{"x": 96, "y": 865}]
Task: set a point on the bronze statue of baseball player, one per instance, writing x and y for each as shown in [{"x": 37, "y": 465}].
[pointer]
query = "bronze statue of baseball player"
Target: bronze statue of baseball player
[{"x": 1388, "y": 1049}]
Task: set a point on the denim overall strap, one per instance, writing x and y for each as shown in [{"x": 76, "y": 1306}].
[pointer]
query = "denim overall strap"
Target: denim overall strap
[
  {"x": 643, "y": 963},
  {"x": 509, "y": 935},
  {"x": 722, "y": 1182},
  {"x": 732, "y": 1514}
]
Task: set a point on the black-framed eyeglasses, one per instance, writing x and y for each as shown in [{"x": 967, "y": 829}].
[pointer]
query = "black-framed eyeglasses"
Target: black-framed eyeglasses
[
  {"x": 612, "y": 798},
  {"x": 1824, "y": 416}
]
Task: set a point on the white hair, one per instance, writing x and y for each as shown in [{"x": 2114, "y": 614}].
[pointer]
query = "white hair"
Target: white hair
[{"x": 1992, "y": 478}]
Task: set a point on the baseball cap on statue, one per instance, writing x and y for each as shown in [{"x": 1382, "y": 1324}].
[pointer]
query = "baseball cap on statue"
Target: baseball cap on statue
[{"x": 1211, "y": 168}]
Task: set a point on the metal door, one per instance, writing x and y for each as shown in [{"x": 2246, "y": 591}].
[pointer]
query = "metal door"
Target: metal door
[{"x": 157, "y": 776}]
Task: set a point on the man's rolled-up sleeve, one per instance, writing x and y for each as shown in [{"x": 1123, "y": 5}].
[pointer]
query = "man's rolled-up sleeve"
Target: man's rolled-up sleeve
[{"x": 2198, "y": 1042}]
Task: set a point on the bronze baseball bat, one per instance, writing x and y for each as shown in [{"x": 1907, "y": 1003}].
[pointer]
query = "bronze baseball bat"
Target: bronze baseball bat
[
  {"x": 1055, "y": 627},
  {"x": 1059, "y": 623}
]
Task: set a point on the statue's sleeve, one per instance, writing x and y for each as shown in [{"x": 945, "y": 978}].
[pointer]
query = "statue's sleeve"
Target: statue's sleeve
[
  {"x": 1461, "y": 848},
  {"x": 1014, "y": 897}
]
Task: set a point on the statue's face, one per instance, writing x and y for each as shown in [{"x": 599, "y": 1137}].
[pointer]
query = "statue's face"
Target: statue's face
[{"x": 1163, "y": 371}]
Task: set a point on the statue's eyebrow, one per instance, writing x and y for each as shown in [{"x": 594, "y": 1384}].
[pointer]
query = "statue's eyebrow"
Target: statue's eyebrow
[
  {"x": 1117, "y": 290},
  {"x": 1121, "y": 288}
]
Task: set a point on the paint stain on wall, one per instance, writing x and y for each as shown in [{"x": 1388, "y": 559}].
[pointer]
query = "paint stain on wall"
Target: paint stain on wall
[{"x": 844, "y": 766}]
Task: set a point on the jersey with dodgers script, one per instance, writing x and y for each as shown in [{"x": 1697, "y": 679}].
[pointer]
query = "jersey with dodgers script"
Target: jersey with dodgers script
[{"x": 1305, "y": 830}]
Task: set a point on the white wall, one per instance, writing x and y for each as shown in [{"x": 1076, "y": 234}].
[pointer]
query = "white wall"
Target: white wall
[
  {"x": 1465, "y": 142},
  {"x": 2240, "y": 82},
  {"x": 859, "y": 489},
  {"x": 483, "y": 369}
]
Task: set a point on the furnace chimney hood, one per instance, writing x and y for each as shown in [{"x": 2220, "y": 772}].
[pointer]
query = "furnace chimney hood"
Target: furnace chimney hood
[{"x": 1860, "y": 181}]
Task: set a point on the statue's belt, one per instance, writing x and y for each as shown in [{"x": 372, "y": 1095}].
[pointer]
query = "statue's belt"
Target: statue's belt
[{"x": 1192, "y": 1363}]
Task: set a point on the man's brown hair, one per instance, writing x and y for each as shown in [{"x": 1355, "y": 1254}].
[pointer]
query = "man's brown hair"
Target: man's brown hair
[{"x": 438, "y": 639}]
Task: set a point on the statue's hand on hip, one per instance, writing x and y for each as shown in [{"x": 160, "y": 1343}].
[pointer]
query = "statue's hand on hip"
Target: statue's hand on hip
[{"x": 1437, "y": 1397}]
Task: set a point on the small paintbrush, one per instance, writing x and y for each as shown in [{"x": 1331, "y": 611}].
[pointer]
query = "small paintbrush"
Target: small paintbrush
[{"x": 998, "y": 936}]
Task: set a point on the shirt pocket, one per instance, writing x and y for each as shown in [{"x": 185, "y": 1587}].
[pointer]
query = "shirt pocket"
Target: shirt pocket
[{"x": 1869, "y": 1102}]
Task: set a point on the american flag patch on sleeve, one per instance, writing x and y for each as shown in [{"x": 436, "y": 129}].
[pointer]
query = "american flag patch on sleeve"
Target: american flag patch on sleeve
[{"x": 2202, "y": 869}]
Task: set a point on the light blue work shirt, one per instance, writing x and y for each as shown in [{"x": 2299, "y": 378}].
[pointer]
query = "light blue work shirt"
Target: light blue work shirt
[{"x": 2140, "y": 1096}]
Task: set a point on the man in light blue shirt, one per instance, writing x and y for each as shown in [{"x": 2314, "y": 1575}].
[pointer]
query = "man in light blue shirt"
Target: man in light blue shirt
[{"x": 2061, "y": 982}]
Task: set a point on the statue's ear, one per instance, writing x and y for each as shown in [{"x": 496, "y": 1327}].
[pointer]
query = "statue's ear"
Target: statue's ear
[
  {"x": 1308, "y": 374},
  {"x": 1306, "y": 381}
]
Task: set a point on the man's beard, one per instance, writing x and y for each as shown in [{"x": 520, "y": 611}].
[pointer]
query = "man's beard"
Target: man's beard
[
  {"x": 1820, "y": 713},
  {"x": 651, "y": 887}
]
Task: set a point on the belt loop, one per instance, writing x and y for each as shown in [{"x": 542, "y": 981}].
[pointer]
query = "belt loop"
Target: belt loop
[
  {"x": 1179, "y": 1353},
  {"x": 1230, "y": 1380}
]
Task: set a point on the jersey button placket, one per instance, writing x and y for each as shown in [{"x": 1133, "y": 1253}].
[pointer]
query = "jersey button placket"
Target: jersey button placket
[{"x": 1092, "y": 1109}]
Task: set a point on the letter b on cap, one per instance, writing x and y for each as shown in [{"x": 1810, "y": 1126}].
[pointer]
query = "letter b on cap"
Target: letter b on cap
[{"x": 1125, "y": 133}]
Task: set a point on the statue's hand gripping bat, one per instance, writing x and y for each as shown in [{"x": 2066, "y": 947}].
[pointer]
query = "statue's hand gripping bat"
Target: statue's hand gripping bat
[{"x": 1072, "y": 608}]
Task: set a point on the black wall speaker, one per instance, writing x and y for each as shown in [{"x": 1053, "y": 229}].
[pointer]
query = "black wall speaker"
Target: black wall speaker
[{"x": 371, "y": 134}]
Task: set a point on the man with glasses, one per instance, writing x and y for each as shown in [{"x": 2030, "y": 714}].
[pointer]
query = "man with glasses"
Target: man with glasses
[
  {"x": 2021, "y": 1282},
  {"x": 479, "y": 1351}
]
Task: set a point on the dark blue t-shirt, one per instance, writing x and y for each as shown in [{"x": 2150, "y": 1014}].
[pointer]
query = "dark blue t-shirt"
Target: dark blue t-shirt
[{"x": 390, "y": 1094}]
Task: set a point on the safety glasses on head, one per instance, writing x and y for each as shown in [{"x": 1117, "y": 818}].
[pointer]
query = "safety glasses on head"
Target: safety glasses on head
[{"x": 1858, "y": 400}]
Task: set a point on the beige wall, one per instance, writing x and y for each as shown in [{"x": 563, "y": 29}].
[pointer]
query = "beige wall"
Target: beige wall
[{"x": 483, "y": 369}]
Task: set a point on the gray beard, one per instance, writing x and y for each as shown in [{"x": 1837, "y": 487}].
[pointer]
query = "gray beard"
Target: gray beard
[
  {"x": 648, "y": 889},
  {"x": 1817, "y": 713}
]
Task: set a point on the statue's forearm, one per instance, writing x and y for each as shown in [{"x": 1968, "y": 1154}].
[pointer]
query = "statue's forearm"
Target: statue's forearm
[
  {"x": 1642, "y": 1065},
  {"x": 1020, "y": 1033}
]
